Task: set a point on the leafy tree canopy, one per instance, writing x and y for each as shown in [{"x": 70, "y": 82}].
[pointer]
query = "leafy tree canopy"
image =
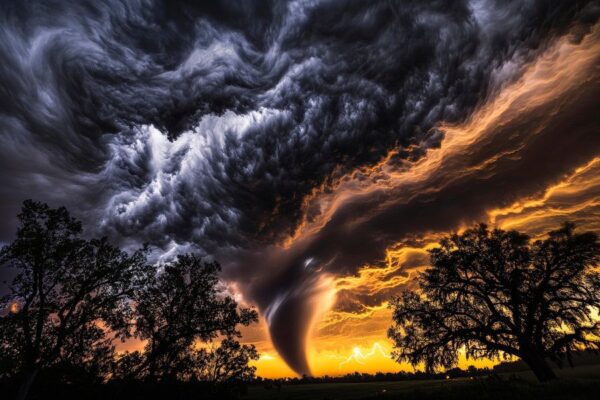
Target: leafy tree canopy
[
  {"x": 65, "y": 294},
  {"x": 182, "y": 305},
  {"x": 495, "y": 293}
]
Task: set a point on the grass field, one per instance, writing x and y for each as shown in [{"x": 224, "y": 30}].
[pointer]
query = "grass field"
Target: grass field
[{"x": 574, "y": 383}]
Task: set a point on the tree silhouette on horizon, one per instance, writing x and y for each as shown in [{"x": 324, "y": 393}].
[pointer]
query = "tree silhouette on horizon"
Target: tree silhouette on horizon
[
  {"x": 181, "y": 306},
  {"x": 497, "y": 294}
]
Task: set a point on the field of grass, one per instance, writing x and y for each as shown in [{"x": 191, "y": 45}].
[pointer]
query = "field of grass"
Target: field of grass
[{"x": 574, "y": 383}]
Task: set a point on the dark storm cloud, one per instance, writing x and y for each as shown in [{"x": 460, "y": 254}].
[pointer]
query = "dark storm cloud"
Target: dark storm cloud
[{"x": 204, "y": 125}]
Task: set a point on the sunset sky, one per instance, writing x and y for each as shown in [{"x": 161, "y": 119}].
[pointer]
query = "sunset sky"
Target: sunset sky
[{"x": 316, "y": 149}]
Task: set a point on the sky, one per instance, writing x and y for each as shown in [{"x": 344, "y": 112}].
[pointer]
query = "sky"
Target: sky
[{"x": 316, "y": 149}]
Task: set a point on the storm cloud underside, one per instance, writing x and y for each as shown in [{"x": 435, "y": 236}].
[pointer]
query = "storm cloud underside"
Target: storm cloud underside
[{"x": 267, "y": 134}]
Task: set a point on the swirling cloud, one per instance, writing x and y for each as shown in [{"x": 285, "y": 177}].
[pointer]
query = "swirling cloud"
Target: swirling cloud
[{"x": 285, "y": 139}]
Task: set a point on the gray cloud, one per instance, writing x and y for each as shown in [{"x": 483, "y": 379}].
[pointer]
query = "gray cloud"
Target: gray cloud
[{"x": 205, "y": 126}]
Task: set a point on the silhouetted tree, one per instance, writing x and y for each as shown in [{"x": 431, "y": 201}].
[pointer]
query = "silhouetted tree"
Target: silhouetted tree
[
  {"x": 64, "y": 295},
  {"x": 495, "y": 292},
  {"x": 227, "y": 362},
  {"x": 183, "y": 304}
]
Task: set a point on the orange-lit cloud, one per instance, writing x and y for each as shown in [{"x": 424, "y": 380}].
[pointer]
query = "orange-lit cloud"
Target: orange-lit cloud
[
  {"x": 500, "y": 136},
  {"x": 575, "y": 198}
]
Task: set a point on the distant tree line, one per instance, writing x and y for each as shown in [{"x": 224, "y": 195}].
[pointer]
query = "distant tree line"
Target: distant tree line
[
  {"x": 71, "y": 299},
  {"x": 357, "y": 377}
]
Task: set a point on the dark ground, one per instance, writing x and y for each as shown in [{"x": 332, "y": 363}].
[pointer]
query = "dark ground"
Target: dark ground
[
  {"x": 579, "y": 383},
  {"x": 574, "y": 383}
]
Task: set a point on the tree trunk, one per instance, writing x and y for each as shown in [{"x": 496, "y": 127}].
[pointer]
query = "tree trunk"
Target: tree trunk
[
  {"x": 540, "y": 367},
  {"x": 26, "y": 384}
]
